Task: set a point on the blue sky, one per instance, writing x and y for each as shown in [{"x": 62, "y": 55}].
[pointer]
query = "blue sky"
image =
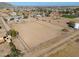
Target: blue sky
[{"x": 45, "y": 3}]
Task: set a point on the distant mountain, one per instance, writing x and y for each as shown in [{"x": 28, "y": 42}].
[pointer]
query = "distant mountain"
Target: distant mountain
[{"x": 5, "y": 5}]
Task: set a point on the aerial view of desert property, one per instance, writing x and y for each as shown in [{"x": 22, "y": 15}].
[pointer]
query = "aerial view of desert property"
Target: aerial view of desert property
[{"x": 39, "y": 29}]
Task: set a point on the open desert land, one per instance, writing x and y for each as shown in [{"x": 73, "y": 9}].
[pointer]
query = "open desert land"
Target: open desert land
[
  {"x": 39, "y": 31},
  {"x": 41, "y": 36},
  {"x": 71, "y": 48},
  {"x": 4, "y": 48},
  {"x": 34, "y": 33},
  {"x": 2, "y": 30}
]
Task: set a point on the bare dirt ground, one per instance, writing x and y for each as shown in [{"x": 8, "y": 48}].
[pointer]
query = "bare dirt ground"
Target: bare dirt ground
[
  {"x": 71, "y": 48},
  {"x": 34, "y": 33},
  {"x": 4, "y": 49},
  {"x": 2, "y": 30}
]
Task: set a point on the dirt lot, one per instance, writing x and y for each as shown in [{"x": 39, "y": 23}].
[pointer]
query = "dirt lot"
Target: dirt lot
[
  {"x": 2, "y": 30},
  {"x": 34, "y": 33},
  {"x": 4, "y": 49},
  {"x": 71, "y": 49}
]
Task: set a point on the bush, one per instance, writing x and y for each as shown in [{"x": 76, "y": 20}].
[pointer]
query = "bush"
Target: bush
[
  {"x": 25, "y": 17},
  {"x": 69, "y": 16},
  {"x": 71, "y": 24},
  {"x": 77, "y": 40},
  {"x": 47, "y": 14},
  {"x": 14, "y": 52},
  {"x": 11, "y": 44},
  {"x": 13, "y": 33},
  {"x": 65, "y": 30}
]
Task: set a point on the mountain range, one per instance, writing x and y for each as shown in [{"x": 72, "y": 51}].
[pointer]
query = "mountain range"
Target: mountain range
[{"x": 5, "y": 5}]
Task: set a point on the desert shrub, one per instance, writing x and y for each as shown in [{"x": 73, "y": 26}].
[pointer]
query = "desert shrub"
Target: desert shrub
[
  {"x": 26, "y": 17},
  {"x": 77, "y": 40},
  {"x": 5, "y": 19},
  {"x": 14, "y": 52},
  {"x": 12, "y": 19},
  {"x": 65, "y": 30},
  {"x": 12, "y": 32},
  {"x": 71, "y": 24},
  {"x": 12, "y": 45},
  {"x": 69, "y": 16},
  {"x": 47, "y": 14}
]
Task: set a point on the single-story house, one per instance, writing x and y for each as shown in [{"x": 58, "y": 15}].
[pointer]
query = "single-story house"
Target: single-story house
[
  {"x": 13, "y": 13},
  {"x": 18, "y": 18},
  {"x": 38, "y": 16}
]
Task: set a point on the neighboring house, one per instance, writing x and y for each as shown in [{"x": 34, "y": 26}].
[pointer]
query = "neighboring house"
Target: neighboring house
[
  {"x": 38, "y": 16},
  {"x": 14, "y": 17},
  {"x": 76, "y": 26},
  {"x": 18, "y": 18},
  {"x": 13, "y": 14}
]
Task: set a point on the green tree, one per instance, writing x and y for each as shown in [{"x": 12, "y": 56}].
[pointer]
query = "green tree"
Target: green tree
[{"x": 25, "y": 16}]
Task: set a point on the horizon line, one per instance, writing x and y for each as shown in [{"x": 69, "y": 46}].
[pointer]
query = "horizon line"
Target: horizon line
[{"x": 45, "y": 3}]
